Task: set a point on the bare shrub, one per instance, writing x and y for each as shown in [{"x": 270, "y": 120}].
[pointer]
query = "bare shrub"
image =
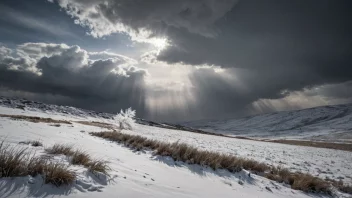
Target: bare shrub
[{"x": 125, "y": 119}]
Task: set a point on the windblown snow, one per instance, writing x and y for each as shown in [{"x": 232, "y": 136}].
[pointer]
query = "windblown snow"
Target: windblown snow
[{"x": 141, "y": 174}]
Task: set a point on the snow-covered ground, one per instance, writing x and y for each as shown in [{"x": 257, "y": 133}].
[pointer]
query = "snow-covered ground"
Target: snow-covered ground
[
  {"x": 320, "y": 162},
  {"x": 140, "y": 174},
  {"x": 328, "y": 123},
  {"x": 134, "y": 174}
]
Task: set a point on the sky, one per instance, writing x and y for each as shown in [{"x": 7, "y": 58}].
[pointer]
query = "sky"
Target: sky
[{"x": 177, "y": 61}]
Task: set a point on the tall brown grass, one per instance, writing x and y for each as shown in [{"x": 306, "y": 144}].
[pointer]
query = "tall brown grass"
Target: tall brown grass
[
  {"x": 16, "y": 161},
  {"x": 58, "y": 174},
  {"x": 80, "y": 157},
  {"x": 35, "y": 119},
  {"x": 186, "y": 153},
  {"x": 64, "y": 149}
]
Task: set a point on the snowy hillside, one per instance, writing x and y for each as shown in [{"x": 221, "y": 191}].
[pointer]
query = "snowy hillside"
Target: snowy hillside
[
  {"x": 320, "y": 123},
  {"x": 24, "y": 104},
  {"x": 142, "y": 174}
]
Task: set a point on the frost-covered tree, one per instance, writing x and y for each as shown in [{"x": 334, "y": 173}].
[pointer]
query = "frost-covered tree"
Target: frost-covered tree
[{"x": 125, "y": 119}]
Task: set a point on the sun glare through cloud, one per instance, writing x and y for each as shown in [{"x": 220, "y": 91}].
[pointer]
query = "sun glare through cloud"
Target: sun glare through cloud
[{"x": 159, "y": 43}]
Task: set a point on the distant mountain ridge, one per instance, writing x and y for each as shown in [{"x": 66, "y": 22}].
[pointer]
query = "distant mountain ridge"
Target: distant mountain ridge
[
  {"x": 327, "y": 123},
  {"x": 333, "y": 122}
]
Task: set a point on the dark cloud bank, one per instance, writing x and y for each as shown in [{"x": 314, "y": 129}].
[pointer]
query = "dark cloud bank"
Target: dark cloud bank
[{"x": 268, "y": 49}]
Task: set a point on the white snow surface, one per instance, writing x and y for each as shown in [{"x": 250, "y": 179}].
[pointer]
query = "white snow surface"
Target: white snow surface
[
  {"x": 334, "y": 164},
  {"x": 327, "y": 123},
  {"x": 140, "y": 174},
  {"x": 133, "y": 174}
]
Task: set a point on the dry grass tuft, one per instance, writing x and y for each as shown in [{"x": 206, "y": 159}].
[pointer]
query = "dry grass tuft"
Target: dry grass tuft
[
  {"x": 13, "y": 161},
  {"x": 101, "y": 166},
  {"x": 61, "y": 149},
  {"x": 97, "y": 124},
  {"x": 16, "y": 162},
  {"x": 191, "y": 155},
  {"x": 34, "y": 143},
  {"x": 35, "y": 119},
  {"x": 300, "y": 181},
  {"x": 329, "y": 145},
  {"x": 308, "y": 183},
  {"x": 342, "y": 187},
  {"x": 80, "y": 157},
  {"x": 58, "y": 174}
]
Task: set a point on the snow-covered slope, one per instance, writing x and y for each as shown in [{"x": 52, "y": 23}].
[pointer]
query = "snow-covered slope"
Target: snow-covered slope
[
  {"x": 320, "y": 162},
  {"x": 321, "y": 123},
  {"x": 133, "y": 174},
  {"x": 23, "y": 104}
]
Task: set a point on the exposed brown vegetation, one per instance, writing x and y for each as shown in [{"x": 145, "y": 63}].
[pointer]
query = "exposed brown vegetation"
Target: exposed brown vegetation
[
  {"x": 97, "y": 124},
  {"x": 35, "y": 119},
  {"x": 342, "y": 187},
  {"x": 98, "y": 166},
  {"x": 58, "y": 174},
  {"x": 80, "y": 157},
  {"x": 308, "y": 183},
  {"x": 299, "y": 181},
  {"x": 16, "y": 162},
  {"x": 55, "y": 125},
  {"x": 192, "y": 155},
  {"x": 64, "y": 149},
  {"x": 329, "y": 145},
  {"x": 34, "y": 143}
]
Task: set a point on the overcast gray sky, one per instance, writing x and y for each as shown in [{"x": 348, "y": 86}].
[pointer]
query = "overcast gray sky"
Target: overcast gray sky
[{"x": 178, "y": 60}]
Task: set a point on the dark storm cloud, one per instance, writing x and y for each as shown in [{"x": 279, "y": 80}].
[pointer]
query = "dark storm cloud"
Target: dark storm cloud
[
  {"x": 281, "y": 46},
  {"x": 295, "y": 43},
  {"x": 334, "y": 91},
  {"x": 268, "y": 49},
  {"x": 66, "y": 71},
  {"x": 132, "y": 16}
]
